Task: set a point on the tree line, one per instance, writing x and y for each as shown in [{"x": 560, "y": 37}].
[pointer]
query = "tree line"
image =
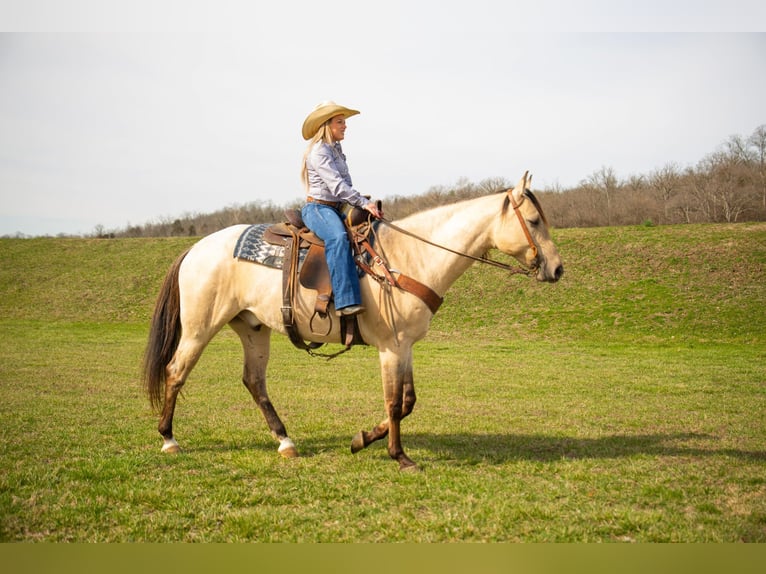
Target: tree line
[{"x": 728, "y": 185}]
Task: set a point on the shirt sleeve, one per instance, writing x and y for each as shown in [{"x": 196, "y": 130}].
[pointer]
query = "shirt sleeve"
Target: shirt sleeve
[{"x": 325, "y": 166}]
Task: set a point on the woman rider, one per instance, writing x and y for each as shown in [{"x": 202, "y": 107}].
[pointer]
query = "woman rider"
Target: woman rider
[{"x": 328, "y": 186}]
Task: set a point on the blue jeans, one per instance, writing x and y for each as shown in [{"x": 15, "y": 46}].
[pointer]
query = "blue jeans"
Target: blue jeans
[{"x": 326, "y": 223}]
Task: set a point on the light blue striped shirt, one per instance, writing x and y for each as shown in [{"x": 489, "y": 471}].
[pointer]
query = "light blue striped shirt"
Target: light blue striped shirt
[{"x": 328, "y": 176}]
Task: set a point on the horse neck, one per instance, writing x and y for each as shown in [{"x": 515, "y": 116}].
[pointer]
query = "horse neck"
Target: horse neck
[{"x": 465, "y": 227}]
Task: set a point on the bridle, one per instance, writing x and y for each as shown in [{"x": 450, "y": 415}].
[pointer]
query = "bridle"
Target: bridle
[
  {"x": 523, "y": 223},
  {"x": 531, "y": 270}
]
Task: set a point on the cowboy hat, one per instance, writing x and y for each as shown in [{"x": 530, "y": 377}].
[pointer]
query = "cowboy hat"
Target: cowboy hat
[{"x": 321, "y": 114}]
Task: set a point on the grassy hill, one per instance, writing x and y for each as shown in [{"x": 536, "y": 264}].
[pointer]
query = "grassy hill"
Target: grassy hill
[{"x": 629, "y": 284}]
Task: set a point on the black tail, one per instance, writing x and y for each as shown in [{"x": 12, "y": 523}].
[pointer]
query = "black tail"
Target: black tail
[{"x": 164, "y": 335}]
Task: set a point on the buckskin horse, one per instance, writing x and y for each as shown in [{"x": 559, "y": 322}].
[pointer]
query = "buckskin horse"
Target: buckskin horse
[{"x": 207, "y": 288}]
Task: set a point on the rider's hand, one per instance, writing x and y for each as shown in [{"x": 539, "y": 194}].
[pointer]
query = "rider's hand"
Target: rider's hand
[{"x": 373, "y": 208}]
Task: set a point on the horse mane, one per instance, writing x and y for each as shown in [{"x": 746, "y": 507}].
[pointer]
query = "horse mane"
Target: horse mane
[{"x": 426, "y": 215}]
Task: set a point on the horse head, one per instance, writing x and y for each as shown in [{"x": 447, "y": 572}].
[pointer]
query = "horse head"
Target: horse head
[{"x": 522, "y": 231}]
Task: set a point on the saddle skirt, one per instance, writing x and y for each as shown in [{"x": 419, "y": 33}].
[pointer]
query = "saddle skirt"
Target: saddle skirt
[{"x": 252, "y": 246}]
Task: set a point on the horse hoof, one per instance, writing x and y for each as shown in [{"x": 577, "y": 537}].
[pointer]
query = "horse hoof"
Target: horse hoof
[
  {"x": 171, "y": 446},
  {"x": 287, "y": 448},
  {"x": 357, "y": 443},
  {"x": 291, "y": 452}
]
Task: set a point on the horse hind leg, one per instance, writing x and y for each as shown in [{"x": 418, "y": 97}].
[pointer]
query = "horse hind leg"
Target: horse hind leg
[
  {"x": 256, "y": 346},
  {"x": 185, "y": 358}
]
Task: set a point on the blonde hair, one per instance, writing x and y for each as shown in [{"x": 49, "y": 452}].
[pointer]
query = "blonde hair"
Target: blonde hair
[{"x": 323, "y": 135}]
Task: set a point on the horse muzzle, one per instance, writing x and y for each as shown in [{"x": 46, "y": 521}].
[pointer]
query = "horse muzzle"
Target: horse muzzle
[{"x": 550, "y": 273}]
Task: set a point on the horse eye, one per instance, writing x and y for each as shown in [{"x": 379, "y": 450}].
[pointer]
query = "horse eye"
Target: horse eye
[{"x": 534, "y": 221}]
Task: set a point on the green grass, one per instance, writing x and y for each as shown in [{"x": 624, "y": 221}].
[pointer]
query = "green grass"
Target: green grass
[{"x": 626, "y": 403}]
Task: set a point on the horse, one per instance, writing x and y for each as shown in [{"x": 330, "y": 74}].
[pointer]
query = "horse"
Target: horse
[{"x": 207, "y": 288}]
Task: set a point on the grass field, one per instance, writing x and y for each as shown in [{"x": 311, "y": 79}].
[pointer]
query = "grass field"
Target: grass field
[{"x": 625, "y": 403}]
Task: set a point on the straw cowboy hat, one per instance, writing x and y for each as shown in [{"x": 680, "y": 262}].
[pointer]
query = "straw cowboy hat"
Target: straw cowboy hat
[{"x": 321, "y": 114}]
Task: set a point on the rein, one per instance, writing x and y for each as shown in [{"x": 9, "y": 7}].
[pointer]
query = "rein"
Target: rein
[{"x": 484, "y": 259}]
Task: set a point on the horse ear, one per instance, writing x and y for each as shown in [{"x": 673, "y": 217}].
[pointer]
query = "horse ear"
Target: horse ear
[{"x": 518, "y": 192}]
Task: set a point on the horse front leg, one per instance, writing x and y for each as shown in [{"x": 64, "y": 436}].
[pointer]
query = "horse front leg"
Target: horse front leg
[
  {"x": 363, "y": 438},
  {"x": 399, "y": 398}
]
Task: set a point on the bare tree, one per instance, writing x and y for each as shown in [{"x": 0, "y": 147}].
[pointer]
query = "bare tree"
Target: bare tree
[
  {"x": 605, "y": 182},
  {"x": 722, "y": 185},
  {"x": 493, "y": 184},
  {"x": 665, "y": 182},
  {"x": 757, "y": 143},
  {"x": 738, "y": 148}
]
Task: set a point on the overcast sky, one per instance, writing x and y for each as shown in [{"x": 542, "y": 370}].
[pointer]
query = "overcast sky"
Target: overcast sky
[{"x": 127, "y": 118}]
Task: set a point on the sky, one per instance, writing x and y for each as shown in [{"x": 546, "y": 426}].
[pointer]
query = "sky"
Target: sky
[{"x": 117, "y": 114}]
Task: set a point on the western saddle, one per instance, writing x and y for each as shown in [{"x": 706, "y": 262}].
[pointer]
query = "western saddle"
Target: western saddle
[{"x": 314, "y": 274}]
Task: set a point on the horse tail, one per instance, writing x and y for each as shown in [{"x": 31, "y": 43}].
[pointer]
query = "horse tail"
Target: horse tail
[{"x": 164, "y": 335}]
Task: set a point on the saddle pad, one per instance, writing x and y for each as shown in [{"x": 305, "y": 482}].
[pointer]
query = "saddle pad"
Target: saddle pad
[{"x": 252, "y": 247}]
